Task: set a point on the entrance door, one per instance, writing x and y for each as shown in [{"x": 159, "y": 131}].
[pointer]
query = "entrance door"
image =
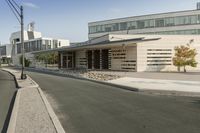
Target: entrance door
[
  {"x": 97, "y": 59},
  {"x": 89, "y": 54},
  {"x": 105, "y": 61},
  {"x": 64, "y": 62},
  {"x": 70, "y": 62}
]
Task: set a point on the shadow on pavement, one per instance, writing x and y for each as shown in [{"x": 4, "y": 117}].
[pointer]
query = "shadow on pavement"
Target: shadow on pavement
[{"x": 6, "y": 123}]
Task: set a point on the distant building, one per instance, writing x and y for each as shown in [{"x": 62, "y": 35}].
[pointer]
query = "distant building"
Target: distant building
[
  {"x": 33, "y": 41},
  {"x": 28, "y": 35},
  {"x": 172, "y": 23},
  {"x": 5, "y": 53}
]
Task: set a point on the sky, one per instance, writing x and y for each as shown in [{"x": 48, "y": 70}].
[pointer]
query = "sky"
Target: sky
[{"x": 68, "y": 19}]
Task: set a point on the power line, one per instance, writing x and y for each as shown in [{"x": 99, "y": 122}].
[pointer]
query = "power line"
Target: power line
[
  {"x": 13, "y": 11},
  {"x": 15, "y": 8},
  {"x": 16, "y": 4}
]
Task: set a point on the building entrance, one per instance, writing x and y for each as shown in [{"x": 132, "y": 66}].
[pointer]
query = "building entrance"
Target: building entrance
[
  {"x": 89, "y": 58},
  {"x": 105, "y": 59},
  {"x": 67, "y": 61}
]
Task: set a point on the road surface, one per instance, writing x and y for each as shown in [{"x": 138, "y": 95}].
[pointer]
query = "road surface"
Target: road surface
[
  {"x": 86, "y": 107},
  {"x": 7, "y": 90}
]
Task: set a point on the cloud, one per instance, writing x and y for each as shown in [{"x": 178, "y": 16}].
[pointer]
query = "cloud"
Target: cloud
[{"x": 31, "y": 5}]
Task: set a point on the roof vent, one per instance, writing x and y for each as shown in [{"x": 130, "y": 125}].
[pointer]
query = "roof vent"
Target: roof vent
[{"x": 198, "y": 6}]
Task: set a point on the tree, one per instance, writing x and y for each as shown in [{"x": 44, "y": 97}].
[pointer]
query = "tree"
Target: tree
[
  {"x": 26, "y": 61},
  {"x": 47, "y": 58},
  {"x": 185, "y": 56}
]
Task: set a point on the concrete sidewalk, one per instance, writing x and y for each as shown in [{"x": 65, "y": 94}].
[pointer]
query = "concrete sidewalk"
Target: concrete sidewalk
[
  {"x": 31, "y": 112},
  {"x": 156, "y": 84}
]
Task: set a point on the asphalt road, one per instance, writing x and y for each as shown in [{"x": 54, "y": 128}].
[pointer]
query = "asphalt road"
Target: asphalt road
[
  {"x": 87, "y": 107},
  {"x": 7, "y": 90}
]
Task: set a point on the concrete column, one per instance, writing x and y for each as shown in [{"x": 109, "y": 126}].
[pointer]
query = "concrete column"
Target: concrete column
[
  {"x": 61, "y": 60},
  {"x": 100, "y": 59},
  {"x": 92, "y": 59}
]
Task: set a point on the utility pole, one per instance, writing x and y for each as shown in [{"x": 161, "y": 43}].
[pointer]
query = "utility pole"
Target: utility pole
[
  {"x": 19, "y": 14},
  {"x": 0, "y": 56},
  {"x": 22, "y": 41}
]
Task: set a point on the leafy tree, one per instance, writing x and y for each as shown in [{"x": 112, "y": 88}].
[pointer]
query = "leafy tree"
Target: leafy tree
[
  {"x": 47, "y": 58},
  {"x": 185, "y": 56},
  {"x": 26, "y": 62}
]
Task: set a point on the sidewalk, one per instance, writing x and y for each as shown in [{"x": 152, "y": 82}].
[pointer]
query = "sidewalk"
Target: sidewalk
[
  {"x": 157, "y": 84},
  {"x": 32, "y": 112}
]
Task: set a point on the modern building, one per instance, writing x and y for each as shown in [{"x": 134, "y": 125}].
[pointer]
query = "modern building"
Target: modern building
[
  {"x": 5, "y": 54},
  {"x": 33, "y": 41},
  {"x": 171, "y": 23},
  {"x": 136, "y": 53},
  {"x": 37, "y": 44}
]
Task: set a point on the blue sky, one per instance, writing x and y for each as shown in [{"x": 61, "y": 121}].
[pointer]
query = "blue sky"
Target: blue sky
[{"x": 69, "y": 18}]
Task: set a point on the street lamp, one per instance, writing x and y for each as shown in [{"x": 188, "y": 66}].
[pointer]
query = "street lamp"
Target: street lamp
[{"x": 19, "y": 14}]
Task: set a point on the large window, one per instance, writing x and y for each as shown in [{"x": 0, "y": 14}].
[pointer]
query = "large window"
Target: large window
[
  {"x": 98, "y": 28},
  {"x": 183, "y": 20},
  {"x": 108, "y": 28},
  {"x": 123, "y": 26},
  {"x": 3, "y": 50},
  {"x": 169, "y": 22},
  {"x": 140, "y": 24},
  {"x": 160, "y": 23},
  {"x": 92, "y": 29},
  {"x": 132, "y": 25},
  {"x": 115, "y": 27},
  {"x": 149, "y": 23},
  {"x": 193, "y": 19}
]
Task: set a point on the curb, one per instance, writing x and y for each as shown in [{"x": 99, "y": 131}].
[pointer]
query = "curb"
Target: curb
[
  {"x": 87, "y": 79},
  {"x": 52, "y": 115},
  {"x": 13, "y": 118},
  {"x": 114, "y": 85},
  {"x": 16, "y": 83},
  {"x": 142, "y": 90}
]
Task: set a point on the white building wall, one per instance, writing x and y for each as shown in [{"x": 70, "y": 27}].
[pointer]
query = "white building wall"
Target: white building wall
[
  {"x": 166, "y": 42},
  {"x": 81, "y": 59},
  {"x": 124, "y": 59},
  {"x": 17, "y": 35},
  {"x": 63, "y": 42},
  {"x": 8, "y": 50}
]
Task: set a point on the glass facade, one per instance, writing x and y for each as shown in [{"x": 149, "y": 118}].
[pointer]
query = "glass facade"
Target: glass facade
[
  {"x": 177, "y": 32},
  {"x": 149, "y": 23},
  {"x": 35, "y": 45},
  {"x": 2, "y": 50}
]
